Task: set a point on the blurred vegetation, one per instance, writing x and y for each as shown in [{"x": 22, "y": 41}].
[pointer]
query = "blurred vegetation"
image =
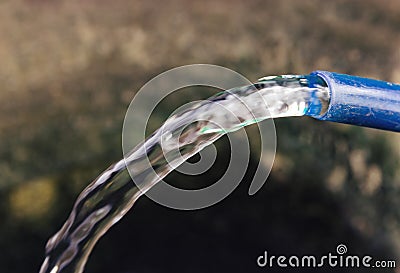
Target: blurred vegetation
[{"x": 70, "y": 68}]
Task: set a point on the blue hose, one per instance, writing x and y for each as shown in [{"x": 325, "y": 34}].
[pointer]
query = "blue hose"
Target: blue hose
[{"x": 360, "y": 101}]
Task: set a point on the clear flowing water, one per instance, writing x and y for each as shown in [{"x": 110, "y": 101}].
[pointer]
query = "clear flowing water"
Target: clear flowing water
[{"x": 110, "y": 196}]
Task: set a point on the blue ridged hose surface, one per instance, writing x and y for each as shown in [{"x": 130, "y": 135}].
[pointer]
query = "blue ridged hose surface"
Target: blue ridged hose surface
[{"x": 359, "y": 101}]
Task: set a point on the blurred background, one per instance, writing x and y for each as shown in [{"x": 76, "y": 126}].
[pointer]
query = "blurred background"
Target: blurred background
[{"x": 70, "y": 68}]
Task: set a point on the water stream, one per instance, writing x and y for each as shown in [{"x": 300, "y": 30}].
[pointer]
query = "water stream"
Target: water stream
[{"x": 111, "y": 195}]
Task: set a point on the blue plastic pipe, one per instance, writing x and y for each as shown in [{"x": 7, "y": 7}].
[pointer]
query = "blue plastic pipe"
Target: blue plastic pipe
[{"x": 359, "y": 101}]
